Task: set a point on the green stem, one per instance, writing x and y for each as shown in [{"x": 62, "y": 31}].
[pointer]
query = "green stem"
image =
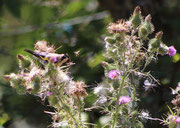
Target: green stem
[
  {"x": 64, "y": 106},
  {"x": 79, "y": 108},
  {"x": 147, "y": 62},
  {"x": 117, "y": 105}
]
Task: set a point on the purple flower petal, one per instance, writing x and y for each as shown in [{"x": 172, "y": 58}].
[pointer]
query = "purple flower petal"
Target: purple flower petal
[
  {"x": 178, "y": 119},
  {"x": 48, "y": 93},
  {"x": 53, "y": 59},
  {"x": 124, "y": 99},
  {"x": 114, "y": 74},
  {"x": 171, "y": 51}
]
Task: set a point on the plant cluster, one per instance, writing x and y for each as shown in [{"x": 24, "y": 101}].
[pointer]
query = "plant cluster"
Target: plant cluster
[
  {"x": 129, "y": 51},
  {"x": 47, "y": 76}
]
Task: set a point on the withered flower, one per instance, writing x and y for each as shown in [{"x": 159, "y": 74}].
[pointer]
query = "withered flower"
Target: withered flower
[
  {"x": 176, "y": 101},
  {"x": 76, "y": 89},
  {"x": 43, "y": 46},
  {"x": 119, "y": 27}
]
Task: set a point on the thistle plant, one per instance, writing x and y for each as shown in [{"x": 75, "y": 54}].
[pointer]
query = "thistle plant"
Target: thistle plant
[
  {"x": 47, "y": 76},
  {"x": 128, "y": 49},
  {"x": 173, "y": 118}
]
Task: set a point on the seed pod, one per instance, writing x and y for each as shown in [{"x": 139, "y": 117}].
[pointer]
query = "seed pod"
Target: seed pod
[{"x": 136, "y": 18}]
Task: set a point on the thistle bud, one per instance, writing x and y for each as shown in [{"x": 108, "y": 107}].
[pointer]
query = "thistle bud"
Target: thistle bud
[
  {"x": 163, "y": 49},
  {"x": 36, "y": 85},
  {"x": 53, "y": 101},
  {"x": 159, "y": 35},
  {"x": 110, "y": 40},
  {"x": 149, "y": 26},
  {"x": 119, "y": 37},
  {"x": 146, "y": 28},
  {"x": 24, "y": 62},
  {"x": 154, "y": 43},
  {"x": 20, "y": 89},
  {"x": 17, "y": 83},
  {"x": 136, "y": 18},
  {"x": 7, "y": 77}
]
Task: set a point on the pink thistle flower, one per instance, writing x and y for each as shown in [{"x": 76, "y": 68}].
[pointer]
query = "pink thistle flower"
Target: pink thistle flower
[
  {"x": 114, "y": 74},
  {"x": 178, "y": 119},
  {"x": 124, "y": 100},
  {"x": 48, "y": 93},
  {"x": 53, "y": 59},
  {"x": 171, "y": 118},
  {"x": 171, "y": 51}
]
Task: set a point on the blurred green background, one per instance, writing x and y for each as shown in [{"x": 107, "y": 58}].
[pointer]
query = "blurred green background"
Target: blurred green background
[{"x": 80, "y": 25}]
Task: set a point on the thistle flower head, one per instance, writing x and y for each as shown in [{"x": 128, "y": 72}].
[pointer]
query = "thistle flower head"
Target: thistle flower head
[
  {"x": 76, "y": 89},
  {"x": 178, "y": 119},
  {"x": 48, "y": 93},
  {"x": 114, "y": 74},
  {"x": 173, "y": 118},
  {"x": 119, "y": 27},
  {"x": 124, "y": 100},
  {"x": 176, "y": 101},
  {"x": 136, "y": 18},
  {"x": 154, "y": 44},
  {"x": 42, "y": 46},
  {"x": 171, "y": 51},
  {"x": 146, "y": 27},
  {"x": 137, "y": 10}
]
